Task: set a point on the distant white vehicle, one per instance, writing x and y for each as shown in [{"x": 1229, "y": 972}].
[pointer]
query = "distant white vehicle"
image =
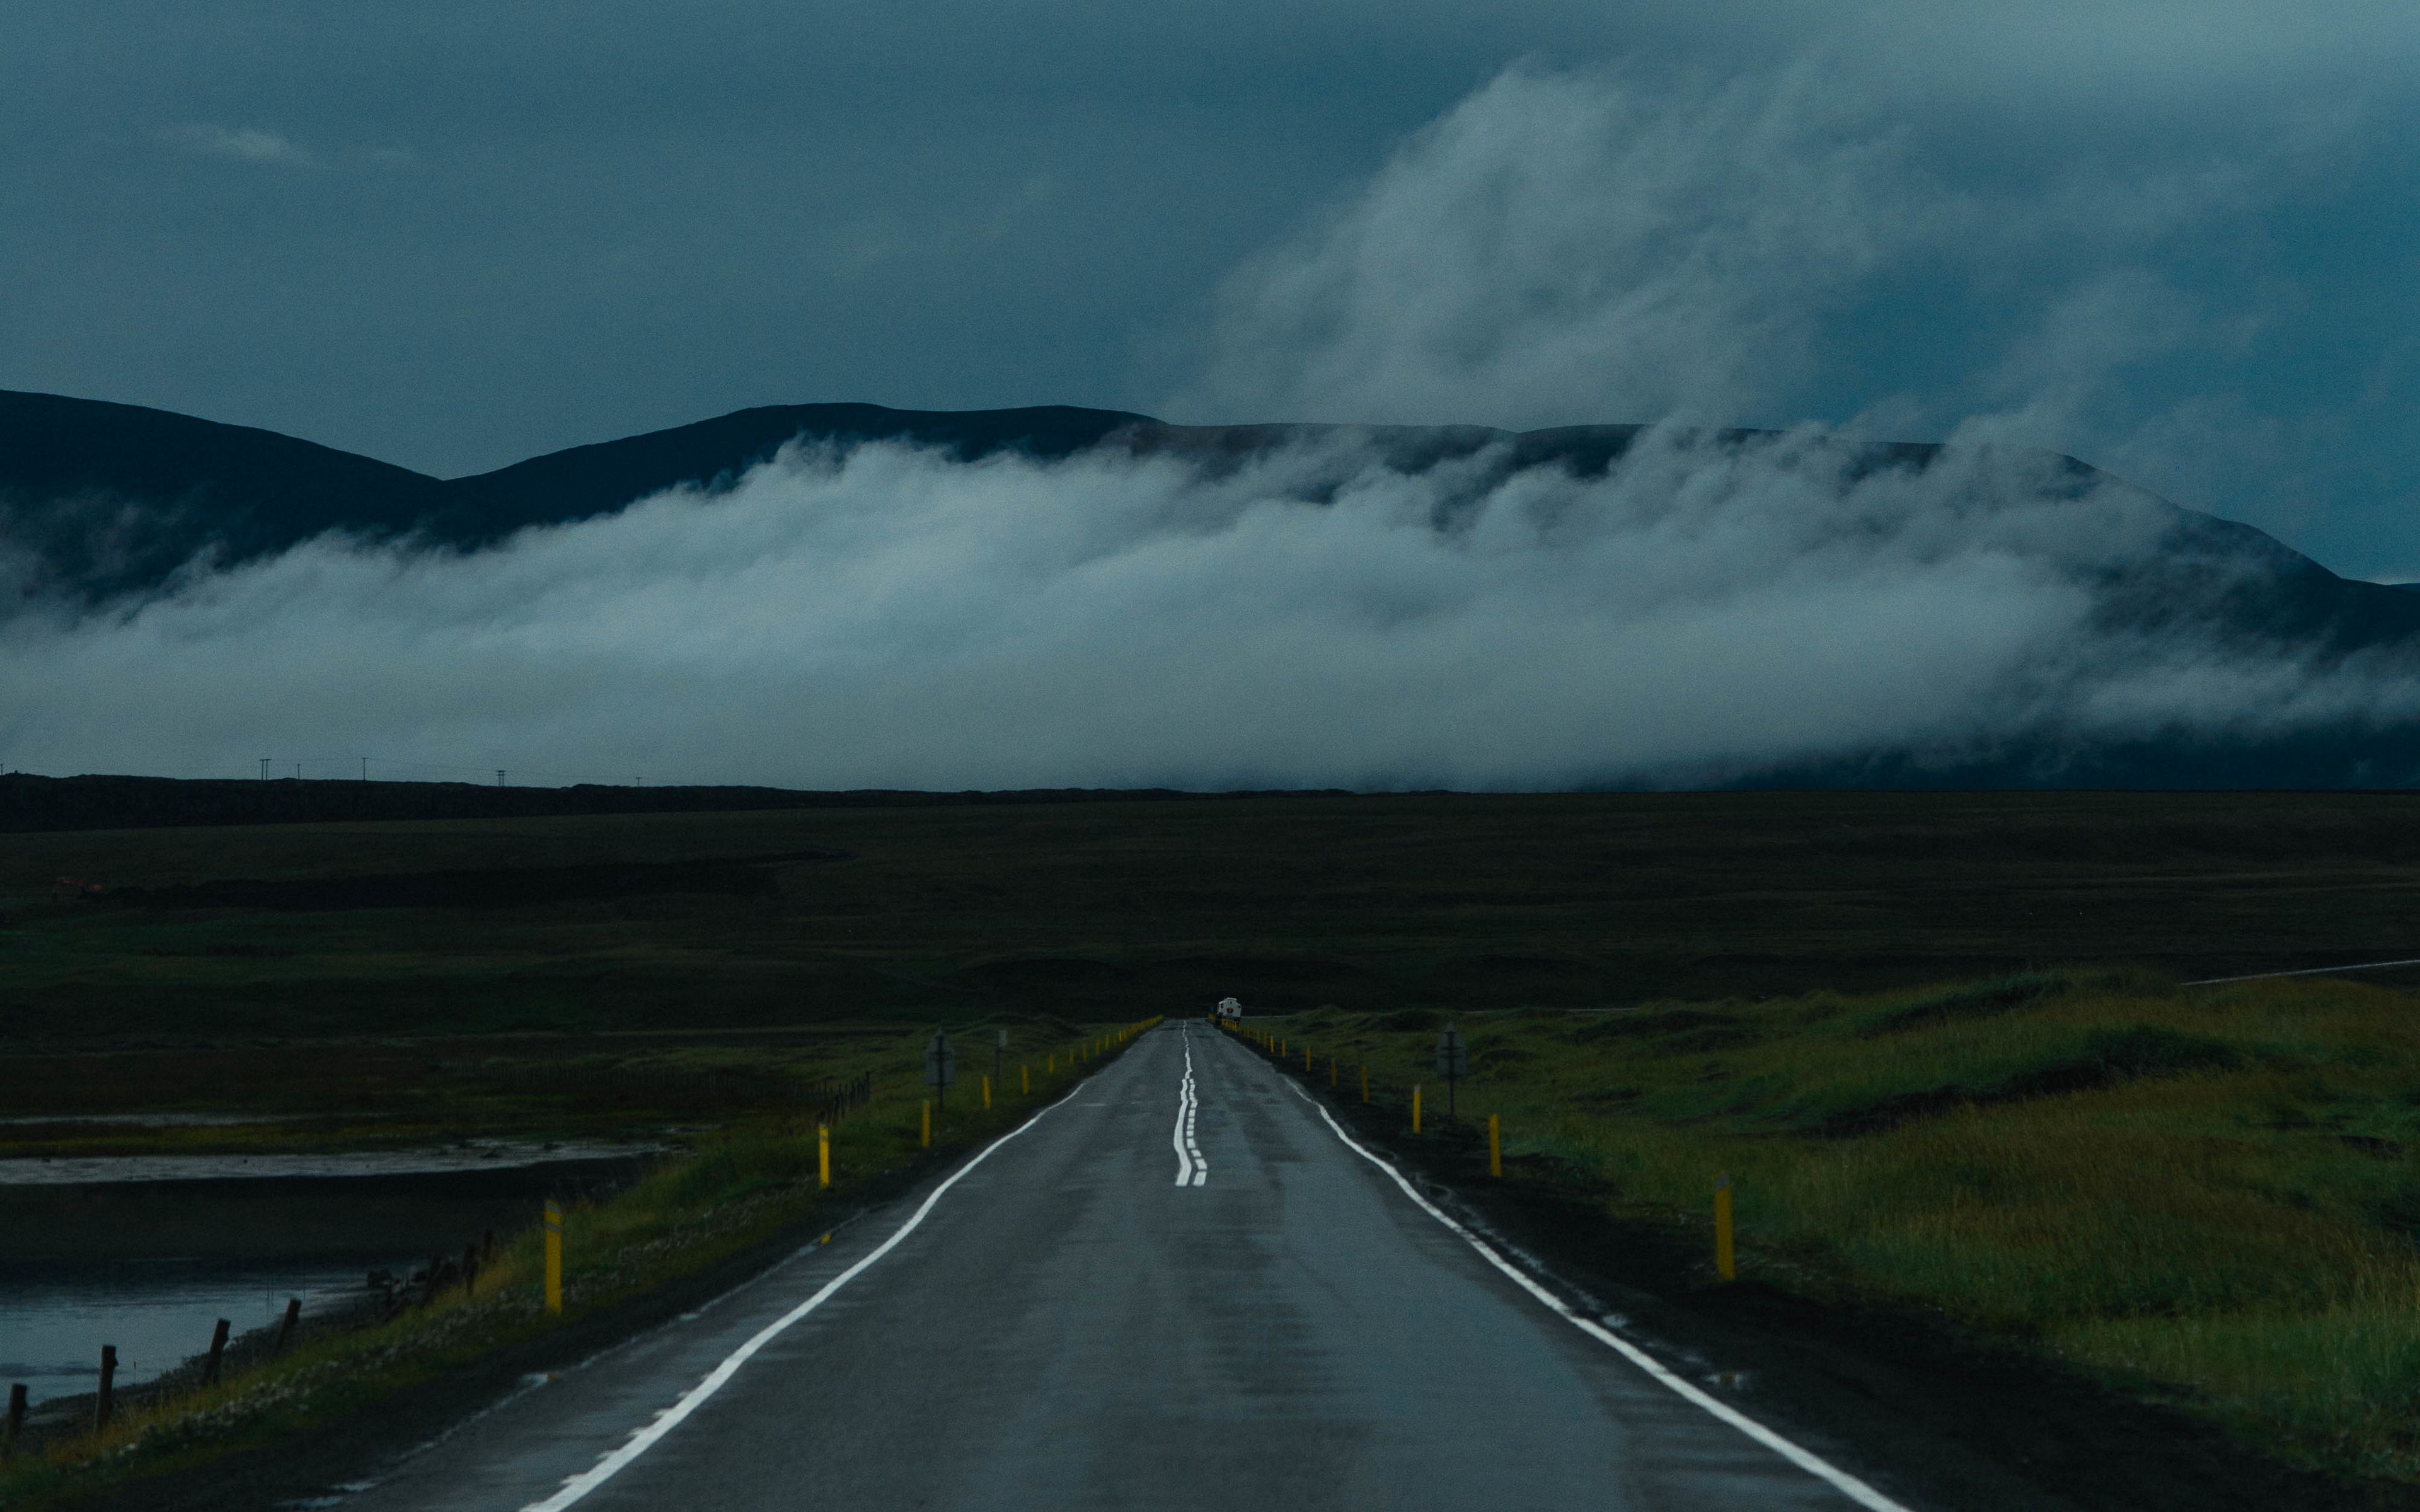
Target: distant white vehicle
[{"x": 1231, "y": 1008}]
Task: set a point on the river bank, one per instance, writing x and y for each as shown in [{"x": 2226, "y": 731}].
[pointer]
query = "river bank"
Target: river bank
[{"x": 148, "y": 1265}]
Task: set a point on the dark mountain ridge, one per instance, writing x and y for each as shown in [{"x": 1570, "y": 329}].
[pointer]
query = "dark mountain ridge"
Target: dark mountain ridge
[
  {"x": 106, "y": 503},
  {"x": 102, "y": 499},
  {"x": 114, "y": 499}
]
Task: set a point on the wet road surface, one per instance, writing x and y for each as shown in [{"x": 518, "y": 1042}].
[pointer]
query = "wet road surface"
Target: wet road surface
[{"x": 1164, "y": 1294}]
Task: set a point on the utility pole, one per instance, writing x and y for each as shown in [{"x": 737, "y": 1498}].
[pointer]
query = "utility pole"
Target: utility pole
[
  {"x": 264, "y": 768},
  {"x": 499, "y": 777},
  {"x": 298, "y": 771},
  {"x": 366, "y": 768}
]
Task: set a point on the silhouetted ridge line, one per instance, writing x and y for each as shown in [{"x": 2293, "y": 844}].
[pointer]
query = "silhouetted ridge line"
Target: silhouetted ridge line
[
  {"x": 588, "y": 481},
  {"x": 31, "y": 803}
]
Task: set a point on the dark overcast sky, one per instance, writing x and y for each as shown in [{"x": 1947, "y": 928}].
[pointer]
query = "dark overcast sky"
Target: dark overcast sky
[{"x": 455, "y": 236}]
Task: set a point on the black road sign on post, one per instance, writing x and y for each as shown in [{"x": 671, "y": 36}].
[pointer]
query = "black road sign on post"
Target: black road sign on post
[
  {"x": 1453, "y": 1063},
  {"x": 941, "y": 1066}
]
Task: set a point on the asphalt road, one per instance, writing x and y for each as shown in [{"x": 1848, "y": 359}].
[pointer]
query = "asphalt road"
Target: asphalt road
[{"x": 1104, "y": 1312}]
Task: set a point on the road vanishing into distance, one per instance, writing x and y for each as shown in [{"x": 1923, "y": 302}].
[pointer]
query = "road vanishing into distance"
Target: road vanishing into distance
[{"x": 1182, "y": 1287}]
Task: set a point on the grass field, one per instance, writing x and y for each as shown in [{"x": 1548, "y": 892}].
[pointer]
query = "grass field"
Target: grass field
[
  {"x": 1086, "y": 910},
  {"x": 2203, "y": 1195}
]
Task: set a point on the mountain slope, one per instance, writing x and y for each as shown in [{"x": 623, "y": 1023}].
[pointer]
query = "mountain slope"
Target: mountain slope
[
  {"x": 101, "y": 499},
  {"x": 587, "y": 481},
  {"x": 108, "y": 498}
]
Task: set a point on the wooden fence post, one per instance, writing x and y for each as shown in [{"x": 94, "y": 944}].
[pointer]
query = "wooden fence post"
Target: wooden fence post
[
  {"x": 1726, "y": 1256},
  {"x": 217, "y": 1354},
  {"x": 555, "y": 1257}
]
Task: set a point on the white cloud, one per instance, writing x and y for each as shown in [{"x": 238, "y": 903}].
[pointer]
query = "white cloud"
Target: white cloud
[
  {"x": 894, "y": 619},
  {"x": 244, "y": 144},
  {"x": 1564, "y": 248}
]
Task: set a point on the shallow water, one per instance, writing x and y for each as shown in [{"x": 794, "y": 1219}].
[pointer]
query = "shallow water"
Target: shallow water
[
  {"x": 158, "y": 1312},
  {"x": 150, "y": 1265},
  {"x": 86, "y": 1170}
]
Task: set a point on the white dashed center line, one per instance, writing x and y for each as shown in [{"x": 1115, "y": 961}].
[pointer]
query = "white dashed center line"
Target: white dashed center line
[{"x": 1191, "y": 1169}]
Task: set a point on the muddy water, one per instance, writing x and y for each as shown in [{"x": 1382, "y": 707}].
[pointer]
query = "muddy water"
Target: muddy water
[{"x": 150, "y": 1265}]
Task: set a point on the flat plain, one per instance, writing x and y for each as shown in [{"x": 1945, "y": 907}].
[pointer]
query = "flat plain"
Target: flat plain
[{"x": 1101, "y": 911}]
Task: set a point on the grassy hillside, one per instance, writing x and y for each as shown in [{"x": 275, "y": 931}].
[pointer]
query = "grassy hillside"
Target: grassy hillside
[{"x": 2206, "y": 1195}]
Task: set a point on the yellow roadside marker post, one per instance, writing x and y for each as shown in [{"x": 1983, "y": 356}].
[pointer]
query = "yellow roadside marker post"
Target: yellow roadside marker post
[
  {"x": 1725, "y": 1258},
  {"x": 1050, "y": 1064},
  {"x": 823, "y": 1154},
  {"x": 555, "y": 1257},
  {"x": 1494, "y": 1148},
  {"x": 928, "y": 1123},
  {"x": 1365, "y": 1081},
  {"x": 1306, "y": 1060},
  {"x": 987, "y": 1094},
  {"x": 1415, "y": 1107},
  {"x": 1025, "y": 1079}
]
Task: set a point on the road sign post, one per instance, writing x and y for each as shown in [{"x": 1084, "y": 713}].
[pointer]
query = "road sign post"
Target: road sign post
[
  {"x": 1452, "y": 1063},
  {"x": 940, "y": 1067}
]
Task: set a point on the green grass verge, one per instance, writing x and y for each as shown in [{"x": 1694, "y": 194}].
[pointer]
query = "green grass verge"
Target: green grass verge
[
  {"x": 741, "y": 1185},
  {"x": 2204, "y": 1196}
]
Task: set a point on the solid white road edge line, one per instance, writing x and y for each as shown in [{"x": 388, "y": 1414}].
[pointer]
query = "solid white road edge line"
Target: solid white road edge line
[
  {"x": 1814, "y": 1464},
  {"x": 2312, "y": 971},
  {"x": 644, "y": 1439}
]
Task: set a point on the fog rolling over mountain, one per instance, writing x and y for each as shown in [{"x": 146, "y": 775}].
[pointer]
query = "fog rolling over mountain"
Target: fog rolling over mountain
[{"x": 849, "y": 597}]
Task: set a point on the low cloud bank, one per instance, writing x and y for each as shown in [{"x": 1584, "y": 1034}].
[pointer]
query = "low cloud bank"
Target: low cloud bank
[{"x": 1701, "y": 613}]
